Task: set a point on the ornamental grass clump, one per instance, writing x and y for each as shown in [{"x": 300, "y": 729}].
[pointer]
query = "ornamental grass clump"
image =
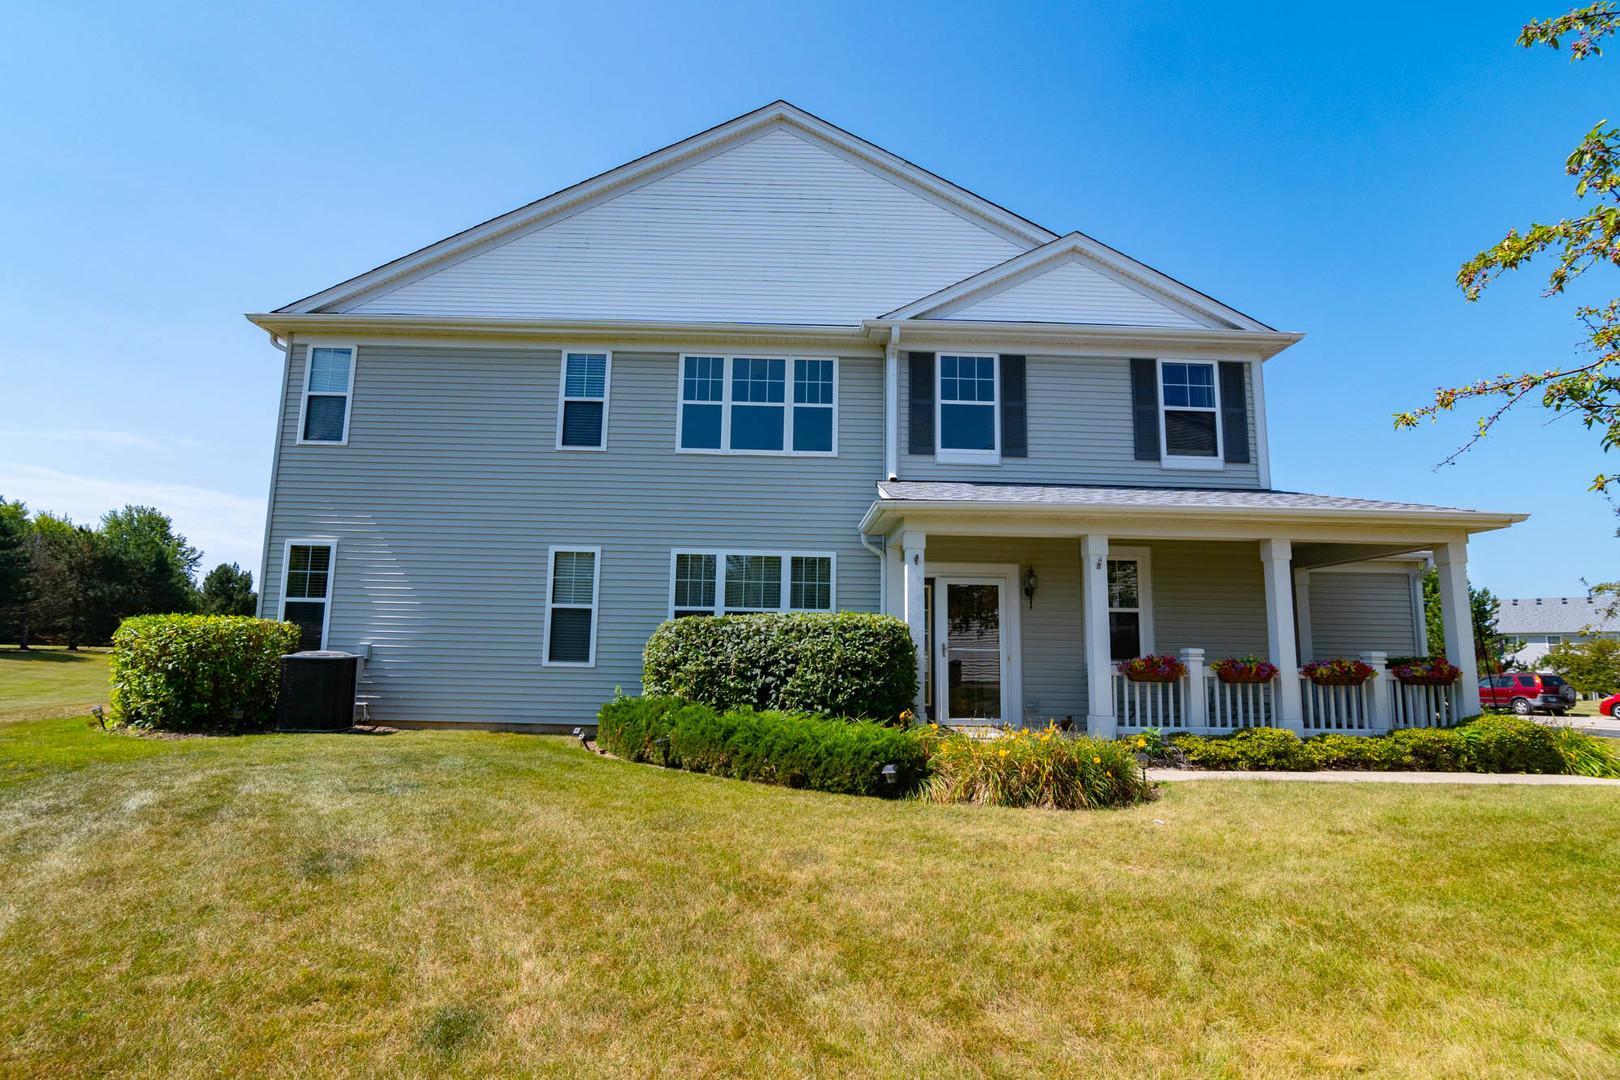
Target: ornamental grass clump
[{"x": 1033, "y": 768}]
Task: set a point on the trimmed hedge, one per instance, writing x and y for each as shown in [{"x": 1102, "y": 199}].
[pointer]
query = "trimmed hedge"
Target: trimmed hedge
[
  {"x": 191, "y": 672},
  {"x": 1487, "y": 744},
  {"x": 839, "y": 756},
  {"x": 847, "y": 664}
]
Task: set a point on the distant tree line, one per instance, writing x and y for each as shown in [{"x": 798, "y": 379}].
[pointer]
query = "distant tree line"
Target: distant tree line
[{"x": 68, "y": 584}]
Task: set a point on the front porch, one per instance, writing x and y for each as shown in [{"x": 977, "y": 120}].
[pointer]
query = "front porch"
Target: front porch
[{"x": 1023, "y": 601}]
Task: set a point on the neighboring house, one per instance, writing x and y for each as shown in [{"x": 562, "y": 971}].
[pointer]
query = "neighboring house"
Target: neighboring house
[
  {"x": 1541, "y": 622},
  {"x": 775, "y": 367}
]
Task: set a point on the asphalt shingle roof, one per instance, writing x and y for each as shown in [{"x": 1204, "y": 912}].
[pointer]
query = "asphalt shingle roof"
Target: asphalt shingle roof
[
  {"x": 1554, "y": 615},
  {"x": 1202, "y": 498}
]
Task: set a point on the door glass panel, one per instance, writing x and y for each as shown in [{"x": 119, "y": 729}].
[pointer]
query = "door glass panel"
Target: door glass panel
[{"x": 973, "y": 651}]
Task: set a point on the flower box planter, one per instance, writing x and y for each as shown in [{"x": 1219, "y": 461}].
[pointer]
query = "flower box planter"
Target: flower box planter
[
  {"x": 1246, "y": 670},
  {"x": 1338, "y": 672},
  {"x": 1153, "y": 669},
  {"x": 1425, "y": 671}
]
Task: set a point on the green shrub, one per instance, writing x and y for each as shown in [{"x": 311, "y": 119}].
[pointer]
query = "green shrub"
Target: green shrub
[
  {"x": 1505, "y": 744},
  {"x": 839, "y": 756},
  {"x": 848, "y": 664},
  {"x": 1034, "y": 768},
  {"x": 192, "y": 672}
]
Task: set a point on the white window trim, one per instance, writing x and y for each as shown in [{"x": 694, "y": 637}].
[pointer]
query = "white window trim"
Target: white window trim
[
  {"x": 551, "y": 593},
  {"x": 965, "y": 457},
  {"x": 563, "y": 398},
  {"x": 1170, "y": 461},
  {"x": 1143, "y": 558},
  {"x": 787, "y": 558},
  {"x": 725, "y": 407},
  {"x": 348, "y": 397},
  {"x": 331, "y": 581}
]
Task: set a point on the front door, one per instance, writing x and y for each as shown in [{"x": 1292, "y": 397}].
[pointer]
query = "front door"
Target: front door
[{"x": 972, "y": 648}]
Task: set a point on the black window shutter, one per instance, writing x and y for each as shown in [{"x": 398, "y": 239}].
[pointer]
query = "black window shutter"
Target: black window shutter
[
  {"x": 922, "y": 403},
  {"x": 1014, "y": 414},
  {"x": 1145, "y": 408},
  {"x": 1234, "y": 413}
]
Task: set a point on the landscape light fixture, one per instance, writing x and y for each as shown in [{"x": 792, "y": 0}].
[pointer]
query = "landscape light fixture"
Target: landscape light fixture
[
  {"x": 579, "y": 733},
  {"x": 890, "y": 774},
  {"x": 101, "y": 717}
]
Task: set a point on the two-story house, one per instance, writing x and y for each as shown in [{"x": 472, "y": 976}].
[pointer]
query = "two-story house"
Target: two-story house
[{"x": 774, "y": 367}]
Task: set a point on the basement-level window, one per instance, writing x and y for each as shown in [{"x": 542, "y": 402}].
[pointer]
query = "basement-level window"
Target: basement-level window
[
  {"x": 306, "y": 590},
  {"x": 327, "y": 379},
  {"x": 571, "y": 607},
  {"x": 748, "y": 582}
]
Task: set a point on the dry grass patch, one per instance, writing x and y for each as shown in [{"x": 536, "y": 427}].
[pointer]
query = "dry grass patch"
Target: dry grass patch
[{"x": 473, "y": 904}]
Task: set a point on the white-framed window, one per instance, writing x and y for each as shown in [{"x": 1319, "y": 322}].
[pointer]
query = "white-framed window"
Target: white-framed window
[
  {"x": 1130, "y": 603},
  {"x": 757, "y": 405},
  {"x": 1190, "y": 415},
  {"x": 328, "y": 384},
  {"x": 582, "y": 399},
  {"x": 307, "y": 569},
  {"x": 714, "y": 582},
  {"x": 571, "y": 604},
  {"x": 967, "y": 406}
]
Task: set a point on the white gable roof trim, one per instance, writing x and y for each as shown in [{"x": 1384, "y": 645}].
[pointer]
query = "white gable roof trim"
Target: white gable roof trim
[
  {"x": 964, "y": 203},
  {"x": 1076, "y": 248}
]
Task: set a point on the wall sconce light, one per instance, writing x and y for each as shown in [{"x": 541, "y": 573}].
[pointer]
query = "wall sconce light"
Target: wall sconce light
[{"x": 1030, "y": 582}]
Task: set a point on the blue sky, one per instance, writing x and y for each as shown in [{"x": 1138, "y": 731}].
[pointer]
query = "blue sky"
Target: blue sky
[{"x": 1325, "y": 170}]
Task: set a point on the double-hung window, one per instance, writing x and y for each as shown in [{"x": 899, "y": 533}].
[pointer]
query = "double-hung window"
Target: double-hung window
[
  {"x": 327, "y": 379},
  {"x": 1190, "y": 398},
  {"x": 757, "y": 405},
  {"x": 1130, "y": 619},
  {"x": 571, "y": 607},
  {"x": 749, "y": 582},
  {"x": 969, "y": 419},
  {"x": 306, "y": 589},
  {"x": 583, "y": 402}
]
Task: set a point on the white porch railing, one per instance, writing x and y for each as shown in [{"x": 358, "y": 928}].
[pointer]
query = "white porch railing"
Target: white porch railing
[
  {"x": 1232, "y": 706},
  {"x": 1338, "y": 708},
  {"x": 1139, "y": 705},
  {"x": 1425, "y": 706}
]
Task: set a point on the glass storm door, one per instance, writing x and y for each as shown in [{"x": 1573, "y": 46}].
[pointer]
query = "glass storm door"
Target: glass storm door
[{"x": 968, "y": 633}]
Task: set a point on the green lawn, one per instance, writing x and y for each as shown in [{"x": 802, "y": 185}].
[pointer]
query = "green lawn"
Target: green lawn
[
  {"x": 46, "y": 681},
  {"x": 473, "y": 904}
]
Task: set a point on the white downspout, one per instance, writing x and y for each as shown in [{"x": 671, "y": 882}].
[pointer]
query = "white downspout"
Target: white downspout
[
  {"x": 891, "y": 406},
  {"x": 883, "y": 570}
]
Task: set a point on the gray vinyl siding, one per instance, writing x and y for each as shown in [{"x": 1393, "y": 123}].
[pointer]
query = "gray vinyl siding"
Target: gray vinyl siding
[
  {"x": 1352, "y": 613},
  {"x": 449, "y": 494},
  {"x": 1208, "y": 595},
  {"x": 1080, "y": 432}
]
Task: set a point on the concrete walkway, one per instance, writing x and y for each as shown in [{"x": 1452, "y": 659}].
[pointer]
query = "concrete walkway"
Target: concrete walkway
[{"x": 1344, "y": 776}]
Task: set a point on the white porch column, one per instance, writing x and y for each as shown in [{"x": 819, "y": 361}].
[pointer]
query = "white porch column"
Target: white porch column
[
  {"x": 1100, "y": 719},
  {"x": 1193, "y": 700},
  {"x": 1274, "y": 557},
  {"x": 912, "y": 544},
  {"x": 1457, "y": 613},
  {"x": 1381, "y": 689},
  {"x": 1302, "y": 615}
]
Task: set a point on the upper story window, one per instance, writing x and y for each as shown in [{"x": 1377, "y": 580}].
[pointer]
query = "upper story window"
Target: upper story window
[
  {"x": 969, "y": 420},
  {"x": 327, "y": 379},
  {"x": 749, "y": 582},
  {"x": 1190, "y": 399},
  {"x": 757, "y": 405},
  {"x": 582, "y": 419}
]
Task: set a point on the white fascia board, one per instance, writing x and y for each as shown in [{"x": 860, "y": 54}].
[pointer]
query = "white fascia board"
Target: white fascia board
[
  {"x": 883, "y": 514},
  {"x": 846, "y": 340},
  {"x": 1098, "y": 256},
  {"x": 1087, "y": 339},
  {"x": 658, "y": 163}
]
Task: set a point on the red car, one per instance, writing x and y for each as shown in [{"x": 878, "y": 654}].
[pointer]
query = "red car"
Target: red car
[
  {"x": 1608, "y": 704},
  {"x": 1527, "y": 692}
]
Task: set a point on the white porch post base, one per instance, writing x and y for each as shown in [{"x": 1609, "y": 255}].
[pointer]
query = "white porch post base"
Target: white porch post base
[
  {"x": 912, "y": 545},
  {"x": 1457, "y": 614},
  {"x": 1193, "y": 712},
  {"x": 1100, "y": 720},
  {"x": 1381, "y": 701},
  {"x": 1276, "y": 557}
]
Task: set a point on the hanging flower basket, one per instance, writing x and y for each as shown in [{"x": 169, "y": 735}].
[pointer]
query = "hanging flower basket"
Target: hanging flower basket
[
  {"x": 1249, "y": 669},
  {"x": 1156, "y": 669},
  {"x": 1338, "y": 672},
  {"x": 1426, "y": 671}
]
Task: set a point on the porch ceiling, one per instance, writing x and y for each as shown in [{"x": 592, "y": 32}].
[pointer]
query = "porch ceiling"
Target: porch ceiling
[{"x": 1059, "y": 509}]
